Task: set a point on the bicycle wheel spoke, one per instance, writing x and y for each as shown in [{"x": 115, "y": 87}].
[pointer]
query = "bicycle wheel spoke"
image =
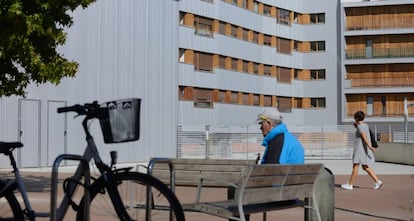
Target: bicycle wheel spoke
[{"x": 133, "y": 192}]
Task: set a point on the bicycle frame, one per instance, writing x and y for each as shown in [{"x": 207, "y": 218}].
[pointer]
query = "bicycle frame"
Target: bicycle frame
[
  {"x": 23, "y": 192},
  {"x": 91, "y": 152}
]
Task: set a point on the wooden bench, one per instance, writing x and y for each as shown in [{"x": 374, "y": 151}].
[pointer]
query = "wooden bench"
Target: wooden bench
[{"x": 255, "y": 188}]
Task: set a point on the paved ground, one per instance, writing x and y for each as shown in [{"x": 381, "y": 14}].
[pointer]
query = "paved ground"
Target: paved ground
[{"x": 394, "y": 201}]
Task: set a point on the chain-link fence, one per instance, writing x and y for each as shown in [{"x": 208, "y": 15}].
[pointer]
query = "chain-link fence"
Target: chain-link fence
[{"x": 244, "y": 142}]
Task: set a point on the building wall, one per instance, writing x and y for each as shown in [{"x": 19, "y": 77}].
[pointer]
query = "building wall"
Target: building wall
[{"x": 125, "y": 49}]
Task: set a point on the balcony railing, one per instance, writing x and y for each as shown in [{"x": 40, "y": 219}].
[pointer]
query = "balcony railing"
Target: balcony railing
[
  {"x": 383, "y": 82},
  {"x": 401, "y": 25},
  {"x": 379, "y": 53}
]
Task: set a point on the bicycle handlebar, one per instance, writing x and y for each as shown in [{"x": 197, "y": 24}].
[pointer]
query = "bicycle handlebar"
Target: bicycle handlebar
[{"x": 91, "y": 110}]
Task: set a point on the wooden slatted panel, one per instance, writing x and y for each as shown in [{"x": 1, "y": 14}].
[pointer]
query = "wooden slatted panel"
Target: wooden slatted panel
[
  {"x": 188, "y": 172},
  {"x": 281, "y": 182},
  {"x": 275, "y": 169},
  {"x": 276, "y": 193},
  {"x": 278, "y": 180}
]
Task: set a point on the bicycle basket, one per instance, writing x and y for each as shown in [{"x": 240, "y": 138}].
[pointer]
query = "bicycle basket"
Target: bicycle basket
[{"x": 122, "y": 121}]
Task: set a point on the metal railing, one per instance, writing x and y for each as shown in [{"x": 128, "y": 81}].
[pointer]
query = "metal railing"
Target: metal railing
[{"x": 244, "y": 142}]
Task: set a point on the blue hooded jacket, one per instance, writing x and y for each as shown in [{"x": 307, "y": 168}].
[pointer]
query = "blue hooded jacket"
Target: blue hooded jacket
[{"x": 292, "y": 150}]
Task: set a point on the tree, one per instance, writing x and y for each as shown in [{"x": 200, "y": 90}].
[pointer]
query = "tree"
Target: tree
[{"x": 30, "y": 32}]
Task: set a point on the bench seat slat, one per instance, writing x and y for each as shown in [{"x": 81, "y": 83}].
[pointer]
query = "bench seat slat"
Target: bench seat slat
[
  {"x": 212, "y": 179},
  {"x": 270, "y": 194},
  {"x": 258, "y": 181},
  {"x": 229, "y": 208},
  {"x": 267, "y": 169},
  {"x": 201, "y": 167}
]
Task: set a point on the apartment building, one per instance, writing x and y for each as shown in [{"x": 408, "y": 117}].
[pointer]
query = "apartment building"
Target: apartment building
[
  {"x": 238, "y": 56},
  {"x": 378, "y": 60}
]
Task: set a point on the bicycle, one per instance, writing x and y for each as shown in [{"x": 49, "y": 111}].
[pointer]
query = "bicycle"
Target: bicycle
[{"x": 118, "y": 193}]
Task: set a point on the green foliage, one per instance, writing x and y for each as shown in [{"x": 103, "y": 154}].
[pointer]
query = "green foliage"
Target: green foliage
[{"x": 30, "y": 32}]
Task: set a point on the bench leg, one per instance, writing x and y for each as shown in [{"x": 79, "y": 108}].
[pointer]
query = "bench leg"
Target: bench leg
[{"x": 230, "y": 195}]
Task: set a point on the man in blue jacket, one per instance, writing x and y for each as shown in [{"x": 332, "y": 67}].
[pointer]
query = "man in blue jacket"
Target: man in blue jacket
[{"x": 281, "y": 147}]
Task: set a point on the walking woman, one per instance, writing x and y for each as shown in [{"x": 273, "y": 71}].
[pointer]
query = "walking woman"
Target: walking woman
[{"x": 363, "y": 153}]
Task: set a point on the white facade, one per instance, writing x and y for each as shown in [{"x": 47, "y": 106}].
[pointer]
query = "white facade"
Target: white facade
[{"x": 129, "y": 48}]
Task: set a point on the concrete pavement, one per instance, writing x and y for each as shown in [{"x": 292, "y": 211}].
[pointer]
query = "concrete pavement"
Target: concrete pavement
[{"x": 394, "y": 201}]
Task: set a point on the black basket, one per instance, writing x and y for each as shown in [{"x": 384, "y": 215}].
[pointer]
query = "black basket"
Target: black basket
[{"x": 122, "y": 121}]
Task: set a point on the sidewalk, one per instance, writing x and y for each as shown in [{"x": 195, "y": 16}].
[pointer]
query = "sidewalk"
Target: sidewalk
[{"x": 394, "y": 201}]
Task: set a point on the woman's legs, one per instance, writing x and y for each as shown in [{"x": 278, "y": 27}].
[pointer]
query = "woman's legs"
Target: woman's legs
[
  {"x": 354, "y": 173},
  {"x": 370, "y": 172}
]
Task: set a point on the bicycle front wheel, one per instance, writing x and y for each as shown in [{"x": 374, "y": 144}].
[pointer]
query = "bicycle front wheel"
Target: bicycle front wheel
[
  {"x": 132, "y": 187},
  {"x": 9, "y": 206}
]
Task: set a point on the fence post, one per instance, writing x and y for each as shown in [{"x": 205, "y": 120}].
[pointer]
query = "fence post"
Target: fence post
[{"x": 208, "y": 142}]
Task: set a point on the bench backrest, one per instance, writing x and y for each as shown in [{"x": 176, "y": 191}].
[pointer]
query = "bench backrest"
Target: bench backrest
[
  {"x": 189, "y": 171},
  {"x": 271, "y": 182}
]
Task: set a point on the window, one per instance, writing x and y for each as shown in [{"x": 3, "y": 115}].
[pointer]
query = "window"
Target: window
[
  {"x": 283, "y": 17},
  {"x": 317, "y": 18},
  {"x": 203, "y": 98},
  {"x": 234, "y": 31},
  {"x": 222, "y": 62},
  {"x": 182, "y": 15},
  {"x": 203, "y": 61},
  {"x": 317, "y": 46},
  {"x": 267, "y": 40},
  {"x": 295, "y": 45},
  {"x": 283, "y": 46},
  {"x": 255, "y": 6},
  {"x": 317, "y": 74},
  {"x": 245, "y": 99},
  {"x": 267, "y": 100},
  {"x": 267, "y": 10},
  {"x": 245, "y": 66},
  {"x": 384, "y": 105},
  {"x": 256, "y": 37},
  {"x": 267, "y": 70},
  {"x": 244, "y": 4},
  {"x": 245, "y": 34},
  {"x": 255, "y": 68},
  {"x": 221, "y": 96},
  {"x": 284, "y": 104},
  {"x": 203, "y": 103},
  {"x": 181, "y": 55},
  {"x": 234, "y": 64},
  {"x": 234, "y": 99},
  {"x": 256, "y": 99},
  {"x": 222, "y": 28},
  {"x": 295, "y": 73},
  {"x": 318, "y": 102},
  {"x": 284, "y": 75},
  {"x": 370, "y": 106},
  {"x": 203, "y": 26}
]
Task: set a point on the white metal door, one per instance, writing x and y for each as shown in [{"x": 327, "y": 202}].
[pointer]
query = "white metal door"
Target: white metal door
[
  {"x": 56, "y": 131},
  {"x": 30, "y": 132}
]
